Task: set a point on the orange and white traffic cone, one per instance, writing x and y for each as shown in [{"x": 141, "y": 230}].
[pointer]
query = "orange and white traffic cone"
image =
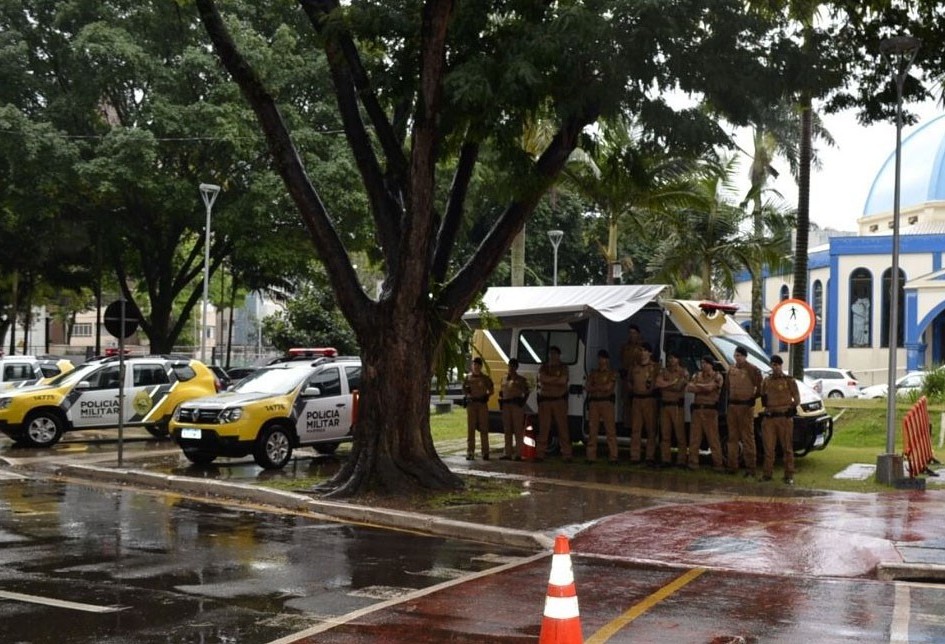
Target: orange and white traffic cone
[
  {"x": 561, "y": 623},
  {"x": 529, "y": 445}
]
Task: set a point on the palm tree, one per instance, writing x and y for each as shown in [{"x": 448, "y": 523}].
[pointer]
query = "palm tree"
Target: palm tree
[
  {"x": 776, "y": 132},
  {"x": 710, "y": 240},
  {"x": 626, "y": 180}
]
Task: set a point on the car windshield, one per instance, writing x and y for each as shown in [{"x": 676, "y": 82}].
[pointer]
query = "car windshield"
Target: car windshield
[
  {"x": 728, "y": 344},
  {"x": 272, "y": 381}
]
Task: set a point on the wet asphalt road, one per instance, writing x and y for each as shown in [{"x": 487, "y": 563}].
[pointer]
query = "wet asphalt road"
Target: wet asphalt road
[{"x": 121, "y": 566}]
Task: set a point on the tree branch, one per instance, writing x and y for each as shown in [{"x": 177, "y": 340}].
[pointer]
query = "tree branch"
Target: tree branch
[
  {"x": 449, "y": 227},
  {"x": 351, "y": 297},
  {"x": 386, "y": 208},
  {"x": 470, "y": 279}
]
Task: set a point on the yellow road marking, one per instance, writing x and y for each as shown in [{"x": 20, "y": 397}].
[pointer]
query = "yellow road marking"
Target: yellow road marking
[{"x": 611, "y": 629}]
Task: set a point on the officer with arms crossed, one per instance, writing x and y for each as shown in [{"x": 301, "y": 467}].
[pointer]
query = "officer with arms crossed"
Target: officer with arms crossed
[
  {"x": 629, "y": 358},
  {"x": 643, "y": 413},
  {"x": 477, "y": 387},
  {"x": 601, "y": 398},
  {"x": 672, "y": 383},
  {"x": 553, "y": 404},
  {"x": 706, "y": 385},
  {"x": 744, "y": 387},
  {"x": 512, "y": 394},
  {"x": 780, "y": 398}
]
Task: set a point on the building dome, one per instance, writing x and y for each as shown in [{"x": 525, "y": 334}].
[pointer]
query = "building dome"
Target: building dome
[{"x": 922, "y": 176}]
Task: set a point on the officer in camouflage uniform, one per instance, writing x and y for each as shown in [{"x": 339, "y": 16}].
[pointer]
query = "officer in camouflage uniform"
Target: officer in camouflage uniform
[
  {"x": 780, "y": 397},
  {"x": 478, "y": 388},
  {"x": 601, "y": 397},
  {"x": 512, "y": 395}
]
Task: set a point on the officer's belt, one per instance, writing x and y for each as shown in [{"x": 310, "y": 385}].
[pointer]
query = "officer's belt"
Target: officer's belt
[
  {"x": 478, "y": 399},
  {"x": 610, "y": 398},
  {"x": 519, "y": 402},
  {"x": 542, "y": 399},
  {"x": 672, "y": 403},
  {"x": 741, "y": 402},
  {"x": 702, "y": 406},
  {"x": 643, "y": 395},
  {"x": 779, "y": 414}
]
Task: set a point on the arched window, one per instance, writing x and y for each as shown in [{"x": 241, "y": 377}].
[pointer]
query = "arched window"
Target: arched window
[
  {"x": 861, "y": 308},
  {"x": 817, "y": 337},
  {"x": 887, "y": 307},
  {"x": 785, "y": 294}
]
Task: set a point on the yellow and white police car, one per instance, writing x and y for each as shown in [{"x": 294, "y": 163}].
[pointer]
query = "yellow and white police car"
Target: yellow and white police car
[
  {"x": 87, "y": 398},
  {"x": 272, "y": 411}
]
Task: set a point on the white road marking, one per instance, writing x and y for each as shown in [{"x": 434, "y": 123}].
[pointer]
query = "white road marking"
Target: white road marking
[
  {"x": 60, "y": 603},
  {"x": 902, "y": 607}
]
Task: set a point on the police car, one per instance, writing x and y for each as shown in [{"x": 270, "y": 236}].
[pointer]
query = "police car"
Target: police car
[
  {"x": 87, "y": 398},
  {"x": 272, "y": 411},
  {"x": 23, "y": 371}
]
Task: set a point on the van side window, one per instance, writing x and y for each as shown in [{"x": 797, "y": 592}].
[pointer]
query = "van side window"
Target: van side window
[
  {"x": 690, "y": 351},
  {"x": 533, "y": 345}
]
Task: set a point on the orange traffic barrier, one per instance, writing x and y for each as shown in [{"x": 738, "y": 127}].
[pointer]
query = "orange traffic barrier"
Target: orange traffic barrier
[
  {"x": 529, "y": 444},
  {"x": 917, "y": 438},
  {"x": 561, "y": 623}
]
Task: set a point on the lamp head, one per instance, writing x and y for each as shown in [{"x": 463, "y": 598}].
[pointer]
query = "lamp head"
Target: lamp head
[
  {"x": 209, "y": 192},
  {"x": 555, "y": 236}
]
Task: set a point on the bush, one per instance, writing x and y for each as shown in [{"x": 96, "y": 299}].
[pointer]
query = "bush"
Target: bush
[{"x": 934, "y": 385}]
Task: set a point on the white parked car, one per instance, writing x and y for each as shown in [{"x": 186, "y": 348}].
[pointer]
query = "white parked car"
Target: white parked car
[
  {"x": 831, "y": 382},
  {"x": 912, "y": 381}
]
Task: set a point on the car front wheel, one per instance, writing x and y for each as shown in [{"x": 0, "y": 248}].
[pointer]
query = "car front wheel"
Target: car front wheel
[
  {"x": 43, "y": 429},
  {"x": 835, "y": 394},
  {"x": 273, "y": 448}
]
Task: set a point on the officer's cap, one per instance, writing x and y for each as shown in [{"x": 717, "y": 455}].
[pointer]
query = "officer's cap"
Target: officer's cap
[{"x": 776, "y": 359}]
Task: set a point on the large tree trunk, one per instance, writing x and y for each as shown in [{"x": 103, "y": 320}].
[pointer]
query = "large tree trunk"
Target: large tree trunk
[
  {"x": 393, "y": 451},
  {"x": 803, "y": 226}
]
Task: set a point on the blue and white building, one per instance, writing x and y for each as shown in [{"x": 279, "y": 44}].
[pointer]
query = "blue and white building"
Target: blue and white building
[{"x": 849, "y": 274}]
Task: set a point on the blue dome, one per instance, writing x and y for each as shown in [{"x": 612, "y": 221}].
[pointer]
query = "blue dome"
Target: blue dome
[{"x": 923, "y": 171}]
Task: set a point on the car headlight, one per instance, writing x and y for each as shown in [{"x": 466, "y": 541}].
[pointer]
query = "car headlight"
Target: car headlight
[
  {"x": 5, "y": 402},
  {"x": 231, "y": 415}
]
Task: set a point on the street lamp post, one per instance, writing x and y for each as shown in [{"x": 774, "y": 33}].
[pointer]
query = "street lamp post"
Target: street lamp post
[
  {"x": 555, "y": 237},
  {"x": 899, "y": 52},
  {"x": 209, "y": 193}
]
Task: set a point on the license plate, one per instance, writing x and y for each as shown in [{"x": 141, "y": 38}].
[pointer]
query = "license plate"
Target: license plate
[{"x": 188, "y": 432}]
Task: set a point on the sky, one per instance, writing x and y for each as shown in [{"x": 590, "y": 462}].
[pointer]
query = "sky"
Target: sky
[{"x": 839, "y": 188}]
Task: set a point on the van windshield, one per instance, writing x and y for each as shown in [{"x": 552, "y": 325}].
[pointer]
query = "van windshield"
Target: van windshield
[{"x": 728, "y": 344}]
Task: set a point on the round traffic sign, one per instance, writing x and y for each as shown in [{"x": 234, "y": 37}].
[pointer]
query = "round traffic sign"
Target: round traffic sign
[
  {"x": 792, "y": 321},
  {"x": 113, "y": 319}
]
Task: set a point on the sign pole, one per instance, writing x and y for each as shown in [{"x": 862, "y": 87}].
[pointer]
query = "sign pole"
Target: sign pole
[{"x": 121, "y": 385}]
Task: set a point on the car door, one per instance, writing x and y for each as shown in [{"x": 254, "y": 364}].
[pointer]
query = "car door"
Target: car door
[
  {"x": 326, "y": 416},
  {"x": 94, "y": 401},
  {"x": 150, "y": 385}
]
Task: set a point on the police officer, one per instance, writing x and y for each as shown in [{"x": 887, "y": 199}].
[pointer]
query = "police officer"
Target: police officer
[
  {"x": 671, "y": 382},
  {"x": 512, "y": 394},
  {"x": 744, "y": 387},
  {"x": 780, "y": 398},
  {"x": 706, "y": 384},
  {"x": 629, "y": 358},
  {"x": 553, "y": 404},
  {"x": 478, "y": 388},
  {"x": 600, "y": 387},
  {"x": 643, "y": 412}
]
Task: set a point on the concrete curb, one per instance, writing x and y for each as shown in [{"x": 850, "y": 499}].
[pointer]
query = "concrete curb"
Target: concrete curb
[{"x": 380, "y": 517}]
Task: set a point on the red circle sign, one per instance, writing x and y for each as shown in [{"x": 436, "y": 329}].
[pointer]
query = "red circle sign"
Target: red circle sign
[{"x": 792, "y": 321}]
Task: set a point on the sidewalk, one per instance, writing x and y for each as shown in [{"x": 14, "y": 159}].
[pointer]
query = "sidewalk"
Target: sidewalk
[{"x": 659, "y": 517}]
